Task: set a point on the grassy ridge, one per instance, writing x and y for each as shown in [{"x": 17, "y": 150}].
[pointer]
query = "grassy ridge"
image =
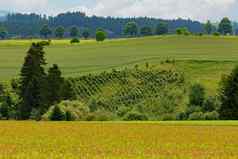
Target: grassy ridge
[{"x": 201, "y": 58}]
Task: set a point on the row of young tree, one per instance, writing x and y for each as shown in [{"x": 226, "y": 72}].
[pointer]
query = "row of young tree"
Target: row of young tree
[{"x": 37, "y": 90}]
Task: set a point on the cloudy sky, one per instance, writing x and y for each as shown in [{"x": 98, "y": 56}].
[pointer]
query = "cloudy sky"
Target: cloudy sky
[{"x": 193, "y": 9}]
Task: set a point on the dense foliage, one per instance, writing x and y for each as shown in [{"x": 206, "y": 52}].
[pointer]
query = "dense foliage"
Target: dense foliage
[
  {"x": 229, "y": 96},
  {"x": 225, "y": 26},
  {"x": 27, "y": 25}
]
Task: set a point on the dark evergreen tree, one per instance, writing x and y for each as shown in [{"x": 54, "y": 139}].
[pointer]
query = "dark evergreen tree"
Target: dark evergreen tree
[
  {"x": 225, "y": 26},
  {"x": 196, "y": 95},
  {"x": 162, "y": 28},
  {"x": 59, "y": 32},
  {"x": 208, "y": 27},
  {"x": 45, "y": 31},
  {"x": 146, "y": 31},
  {"x": 74, "y": 31},
  {"x": 131, "y": 29},
  {"x": 86, "y": 33},
  {"x": 33, "y": 82},
  {"x": 55, "y": 84},
  {"x": 229, "y": 96},
  {"x": 3, "y": 33},
  {"x": 6, "y": 106},
  {"x": 68, "y": 90}
]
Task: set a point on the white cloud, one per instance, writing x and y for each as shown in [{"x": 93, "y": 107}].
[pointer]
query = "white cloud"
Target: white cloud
[
  {"x": 194, "y": 9},
  {"x": 24, "y": 5}
]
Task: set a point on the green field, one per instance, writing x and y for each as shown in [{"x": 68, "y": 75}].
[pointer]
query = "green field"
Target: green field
[
  {"x": 110, "y": 140},
  {"x": 202, "y": 59}
]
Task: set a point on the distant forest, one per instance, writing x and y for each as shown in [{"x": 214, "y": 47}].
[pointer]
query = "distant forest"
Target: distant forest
[{"x": 29, "y": 25}]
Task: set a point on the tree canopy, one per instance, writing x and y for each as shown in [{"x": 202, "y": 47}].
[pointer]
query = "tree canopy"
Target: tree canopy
[
  {"x": 131, "y": 29},
  {"x": 225, "y": 26},
  {"x": 161, "y": 28},
  {"x": 59, "y": 32},
  {"x": 208, "y": 27},
  {"x": 229, "y": 96}
]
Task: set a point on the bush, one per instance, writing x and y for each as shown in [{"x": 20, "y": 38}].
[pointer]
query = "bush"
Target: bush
[
  {"x": 100, "y": 115},
  {"x": 216, "y": 34},
  {"x": 200, "y": 34},
  {"x": 35, "y": 115},
  {"x": 92, "y": 104},
  {"x": 75, "y": 41},
  {"x": 181, "y": 116},
  {"x": 69, "y": 116},
  {"x": 168, "y": 117},
  {"x": 196, "y": 95},
  {"x": 100, "y": 36},
  {"x": 196, "y": 116},
  {"x": 57, "y": 114},
  {"x": 193, "y": 108},
  {"x": 211, "y": 115},
  {"x": 210, "y": 104},
  {"x": 135, "y": 116},
  {"x": 45, "y": 43},
  {"x": 122, "y": 111}
]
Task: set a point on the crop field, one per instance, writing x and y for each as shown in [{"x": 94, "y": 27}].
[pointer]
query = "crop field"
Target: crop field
[
  {"x": 154, "y": 140},
  {"x": 203, "y": 59}
]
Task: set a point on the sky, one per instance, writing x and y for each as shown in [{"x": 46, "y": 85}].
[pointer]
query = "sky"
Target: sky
[{"x": 201, "y": 10}]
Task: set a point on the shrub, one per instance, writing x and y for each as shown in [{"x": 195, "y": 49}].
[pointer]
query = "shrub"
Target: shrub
[
  {"x": 101, "y": 115},
  {"x": 196, "y": 116},
  {"x": 123, "y": 110},
  {"x": 57, "y": 114},
  {"x": 192, "y": 109},
  {"x": 200, "y": 34},
  {"x": 211, "y": 115},
  {"x": 216, "y": 34},
  {"x": 210, "y": 104},
  {"x": 181, "y": 116},
  {"x": 35, "y": 115},
  {"x": 45, "y": 43},
  {"x": 168, "y": 117},
  {"x": 135, "y": 116},
  {"x": 93, "y": 105},
  {"x": 196, "y": 95},
  {"x": 100, "y": 36},
  {"x": 69, "y": 116},
  {"x": 74, "y": 41}
]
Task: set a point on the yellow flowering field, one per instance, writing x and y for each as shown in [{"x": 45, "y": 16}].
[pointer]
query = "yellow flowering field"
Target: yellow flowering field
[{"x": 118, "y": 140}]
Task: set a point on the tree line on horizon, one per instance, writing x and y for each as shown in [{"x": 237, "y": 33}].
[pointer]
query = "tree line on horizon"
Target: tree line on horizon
[
  {"x": 75, "y": 25},
  {"x": 29, "y": 25}
]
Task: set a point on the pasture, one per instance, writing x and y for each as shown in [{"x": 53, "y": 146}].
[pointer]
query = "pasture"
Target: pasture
[
  {"x": 203, "y": 59},
  {"x": 142, "y": 140}
]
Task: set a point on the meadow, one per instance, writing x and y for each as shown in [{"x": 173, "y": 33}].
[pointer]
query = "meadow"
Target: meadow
[
  {"x": 203, "y": 59},
  {"x": 110, "y": 140}
]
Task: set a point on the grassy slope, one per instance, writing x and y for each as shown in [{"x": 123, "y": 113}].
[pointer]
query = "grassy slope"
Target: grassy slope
[{"x": 214, "y": 55}]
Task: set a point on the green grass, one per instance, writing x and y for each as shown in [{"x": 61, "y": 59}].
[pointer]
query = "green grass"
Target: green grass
[{"x": 203, "y": 59}]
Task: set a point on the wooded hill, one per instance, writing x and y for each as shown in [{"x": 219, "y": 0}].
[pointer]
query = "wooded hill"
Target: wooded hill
[{"x": 27, "y": 25}]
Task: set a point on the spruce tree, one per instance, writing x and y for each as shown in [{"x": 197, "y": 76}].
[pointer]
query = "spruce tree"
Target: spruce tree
[
  {"x": 33, "y": 82},
  {"x": 229, "y": 96},
  {"x": 55, "y": 84}
]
